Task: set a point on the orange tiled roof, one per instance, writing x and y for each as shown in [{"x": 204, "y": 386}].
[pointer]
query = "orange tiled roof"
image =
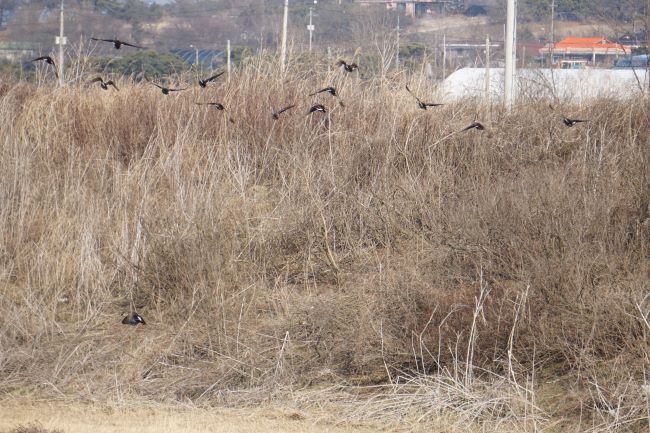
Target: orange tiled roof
[{"x": 573, "y": 42}]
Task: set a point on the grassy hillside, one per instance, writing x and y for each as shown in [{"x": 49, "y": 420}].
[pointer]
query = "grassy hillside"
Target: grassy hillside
[{"x": 373, "y": 245}]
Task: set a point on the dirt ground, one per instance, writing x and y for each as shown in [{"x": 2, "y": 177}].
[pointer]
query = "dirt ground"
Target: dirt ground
[{"x": 78, "y": 418}]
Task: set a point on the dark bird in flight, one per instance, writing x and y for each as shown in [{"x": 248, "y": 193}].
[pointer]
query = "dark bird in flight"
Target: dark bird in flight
[
  {"x": 133, "y": 319},
  {"x": 49, "y": 60},
  {"x": 349, "y": 67},
  {"x": 276, "y": 114},
  {"x": 331, "y": 90},
  {"x": 204, "y": 82},
  {"x": 571, "y": 122},
  {"x": 568, "y": 122},
  {"x": 422, "y": 105},
  {"x": 104, "y": 84},
  {"x": 117, "y": 43},
  {"x": 317, "y": 107},
  {"x": 475, "y": 125},
  {"x": 166, "y": 90},
  {"x": 217, "y": 105}
]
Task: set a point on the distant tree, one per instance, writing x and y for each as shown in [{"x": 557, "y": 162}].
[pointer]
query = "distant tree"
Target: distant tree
[
  {"x": 151, "y": 63},
  {"x": 540, "y": 10},
  {"x": 620, "y": 10},
  {"x": 130, "y": 10},
  {"x": 6, "y": 5}
]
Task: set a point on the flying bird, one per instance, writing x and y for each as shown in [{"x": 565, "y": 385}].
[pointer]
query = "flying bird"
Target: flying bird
[
  {"x": 422, "y": 105},
  {"x": 217, "y": 105},
  {"x": 331, "y": 90},
  {"x": 117, "y": 43},
  {"x": 104, "y": 84},
  {"x": 475, "y": 125},
  {"x": 276, "y": 114},
  {"x": 349, "y": 67},
  {"x": 166, "y": 90},
  {"x": 568, "y": 122},
  {"x": 204, "y": 82},
  {"x": 317, "y": 107},
  {"x": 49, "y": 60},
  {"x": 571, "y": 122},
  {"x": 133, "y": 319}
]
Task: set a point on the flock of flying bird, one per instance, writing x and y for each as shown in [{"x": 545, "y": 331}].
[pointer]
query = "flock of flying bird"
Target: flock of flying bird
[
  {"x": 315, "y": 108},
  {"x": 134, "y": 318}
]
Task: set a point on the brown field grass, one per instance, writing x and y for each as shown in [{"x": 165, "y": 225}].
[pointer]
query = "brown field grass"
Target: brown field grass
[
  {"x": 22, "y": 417},
  {"x": 502, "y": 274}
]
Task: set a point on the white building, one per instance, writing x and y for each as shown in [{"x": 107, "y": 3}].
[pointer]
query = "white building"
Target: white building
[{"x": 566, "y": 85}]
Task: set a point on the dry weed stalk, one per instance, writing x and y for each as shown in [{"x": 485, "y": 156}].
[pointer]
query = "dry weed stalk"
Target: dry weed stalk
[{"x": 229, "y": 237}]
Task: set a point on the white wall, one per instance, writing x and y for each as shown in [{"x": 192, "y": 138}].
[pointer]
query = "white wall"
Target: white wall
[{"x": 565, "y": 85}]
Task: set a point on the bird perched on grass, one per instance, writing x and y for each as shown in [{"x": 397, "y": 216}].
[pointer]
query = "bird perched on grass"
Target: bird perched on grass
[
  {"x": 166, "y": 90},
  {"x": 317, "y": 108},
  {"x": 422, "y": 105},
  {"x": 104, "y": 84},
  {"x": 475, "y": 125},
  {"x": 133, "y": 319},
  {"x": 117, "y": 44},
  {"x": 49, "y": 60},
  {"x": 348, "y": 67},
  {"x": 276, "y": 114},
  {"x": 571, "y": 122},
  {"x": 204, "y": 82}
]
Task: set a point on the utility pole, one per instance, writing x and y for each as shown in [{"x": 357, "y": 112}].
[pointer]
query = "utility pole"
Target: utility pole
[
  {"x": 397, "y": 55},
  {"x": 329, "y": 59},
  {"x": 228, "y": 58},
  {"x": 487, "y": 69},
  {"x": 550, "y": 51},
  {"x": 196, "y": 56},
  {"x": 509, "y": 51},
  {"x": 444, "y": 56},
  {"x": 310, "y": 27},
  {"x": 61, "y": 41},
  {"x": 285, "y": 22}
]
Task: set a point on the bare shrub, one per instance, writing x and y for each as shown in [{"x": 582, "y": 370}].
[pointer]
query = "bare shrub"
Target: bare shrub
[{"x": 354, "y": 245}]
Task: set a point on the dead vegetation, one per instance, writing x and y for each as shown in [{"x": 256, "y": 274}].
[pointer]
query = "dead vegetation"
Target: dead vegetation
[
  {"x": 32, "y": 428},
  {"x": 502, "y": 274}
]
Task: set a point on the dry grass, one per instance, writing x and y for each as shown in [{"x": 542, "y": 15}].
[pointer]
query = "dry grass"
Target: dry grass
[
  {"x": 32, "y": 428},
  {"x": 274, "y": 255},
  {"x": 80, "y": 418}
]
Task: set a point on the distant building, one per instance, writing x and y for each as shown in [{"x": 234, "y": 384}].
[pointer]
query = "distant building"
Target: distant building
[
  {"x": 206, "y": 58},
  {"x": 596, "y": 50},
  {"x": 640, "y": 61},
  {"x": 15, "y": 52},
  {"x": 566, "y": 85},
  {"x": 419, "y": 7}
]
